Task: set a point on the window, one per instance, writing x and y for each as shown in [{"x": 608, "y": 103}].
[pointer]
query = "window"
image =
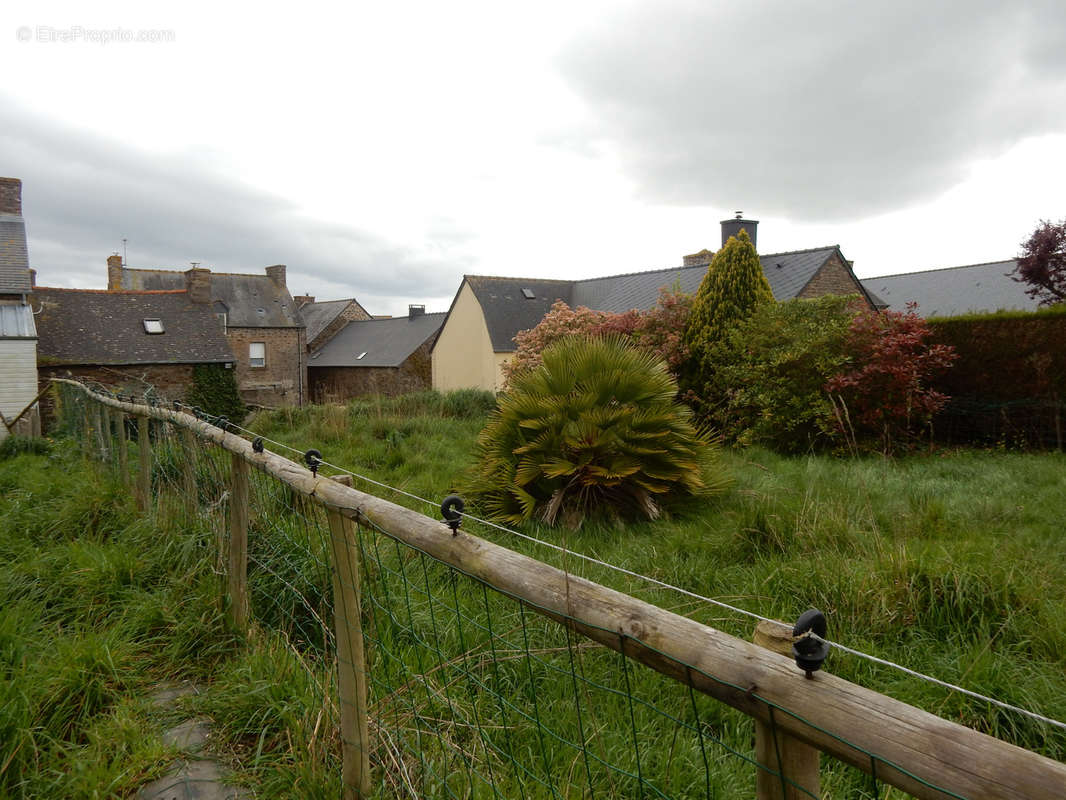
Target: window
[
  {"x": 257, "y": 354},
  {"x": 153, "y": 326},
  {"x": 528, "y": 294}
]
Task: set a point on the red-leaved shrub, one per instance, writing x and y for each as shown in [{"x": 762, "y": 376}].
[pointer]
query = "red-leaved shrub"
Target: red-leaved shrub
[
  {"x": 885, "y": 394},
  {"x": 658, "y": 330}
]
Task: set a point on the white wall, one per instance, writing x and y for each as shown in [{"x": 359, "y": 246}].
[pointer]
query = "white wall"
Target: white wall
[{"x": 18, "y": 376}]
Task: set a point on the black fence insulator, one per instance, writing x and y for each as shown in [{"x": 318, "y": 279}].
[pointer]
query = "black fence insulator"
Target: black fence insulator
[
  {"x": 223, "y": 423},
  {"x": 452, "y": 510},
  {"x": 257, "y": 444},
  {"x": 313, "y": 458},
  {"x": 177, "y": 405},
  {"x": 810, "y": 652}
]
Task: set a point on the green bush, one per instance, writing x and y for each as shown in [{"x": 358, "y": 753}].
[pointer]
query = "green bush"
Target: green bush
[
  {"x": 593, "y": 430},
  {"x": 214, "y": 391},
  {"x": 15, "y": 445},
  {"x": 772, "y": 370},
  {"x": 731, "y": 291}
]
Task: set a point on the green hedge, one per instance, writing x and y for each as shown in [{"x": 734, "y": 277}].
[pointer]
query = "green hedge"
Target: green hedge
[{"x": 1008, "y": 387}]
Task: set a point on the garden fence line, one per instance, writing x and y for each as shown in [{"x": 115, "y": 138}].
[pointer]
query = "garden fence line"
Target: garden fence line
[{"x": 450, "y": 666}]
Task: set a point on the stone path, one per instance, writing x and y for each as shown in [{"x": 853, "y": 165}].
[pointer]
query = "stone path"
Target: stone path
[{"x": 196, "y": 776}]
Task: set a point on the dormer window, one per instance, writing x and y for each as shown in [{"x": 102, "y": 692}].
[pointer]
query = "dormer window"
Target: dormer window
[{"x": 153, "y": 326}]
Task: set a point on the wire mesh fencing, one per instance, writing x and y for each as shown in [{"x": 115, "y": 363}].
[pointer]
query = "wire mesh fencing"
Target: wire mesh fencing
[{"x": 439, "y": 683}]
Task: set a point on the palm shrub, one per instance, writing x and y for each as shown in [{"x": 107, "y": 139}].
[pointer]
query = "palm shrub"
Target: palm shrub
[{"x": 593, "y": 430}]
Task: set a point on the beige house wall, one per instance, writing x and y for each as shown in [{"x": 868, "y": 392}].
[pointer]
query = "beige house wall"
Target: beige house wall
[{"x": 463, "y": 356}]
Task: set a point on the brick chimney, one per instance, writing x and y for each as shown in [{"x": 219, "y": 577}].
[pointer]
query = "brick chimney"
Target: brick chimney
[
  {"x": 700, "y": 259},
  {"x": 302, "y": 300},
  {"x": 11, "y": 196},
  {"x": 415, "y": 311},
  {"x": 114, "y": 272},
  {"x": 198, "y": 284},
  {"x": 277, "y": 274},
  {"x": 731, "y": 227}
]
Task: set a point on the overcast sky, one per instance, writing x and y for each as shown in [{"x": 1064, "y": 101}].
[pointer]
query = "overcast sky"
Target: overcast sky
[{"x": 383, "y": 150}]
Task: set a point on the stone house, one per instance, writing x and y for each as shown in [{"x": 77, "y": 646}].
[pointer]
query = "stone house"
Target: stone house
[
  {"x": 18, "y": 333},
  {"x": 131, "y": 340},
  {"x": 255, "y": 313},
  {"x": 326, "y": 319},
  {"x": 477, "y": 337},
  {"x": 376, "y": 356}
]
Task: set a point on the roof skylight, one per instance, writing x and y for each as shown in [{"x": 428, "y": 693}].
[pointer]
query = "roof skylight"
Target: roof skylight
[{"x": 153, "y": 326}]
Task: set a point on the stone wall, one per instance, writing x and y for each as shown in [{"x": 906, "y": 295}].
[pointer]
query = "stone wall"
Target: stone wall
[
  {"x": 171, "y": 381},
  {"x": 834, "y": 277},
  {"x": 282, "y": 381},
  {"x": 337, "y": 384},
  {"x": 353, "y": 312}
]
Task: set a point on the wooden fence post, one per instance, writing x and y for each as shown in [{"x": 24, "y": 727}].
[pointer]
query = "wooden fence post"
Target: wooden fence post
[
  {"x": 192, "y": 492},
  {"x": 796, "y": 761},
  {"x": 100, "y": 429},
  {"x": 120, "y": 444},
  {"x": 144, "y": 474},
  {"x": 238, "y": 545},
  {"x": 351, "y": 662}
]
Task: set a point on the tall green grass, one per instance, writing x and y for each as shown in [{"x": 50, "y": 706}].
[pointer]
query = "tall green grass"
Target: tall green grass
[
  {"x": 97, "y": 606},
  {"x": 951, "y": 563}
]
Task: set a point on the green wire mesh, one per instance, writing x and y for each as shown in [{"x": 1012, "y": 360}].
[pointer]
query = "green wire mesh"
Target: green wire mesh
[{"x": 472, "y": 693}]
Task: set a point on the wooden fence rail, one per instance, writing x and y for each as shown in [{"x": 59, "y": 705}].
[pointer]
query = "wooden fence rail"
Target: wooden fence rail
[{"x": 908, "y": 748}]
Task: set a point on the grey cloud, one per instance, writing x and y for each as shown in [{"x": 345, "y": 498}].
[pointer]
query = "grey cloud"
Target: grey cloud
[
  {"x": 817, "y": 110},
  {"x": 83, "y": 193}
]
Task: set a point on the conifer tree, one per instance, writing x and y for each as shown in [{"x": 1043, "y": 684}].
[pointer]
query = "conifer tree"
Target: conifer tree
[{"x": 732, "y": 289}]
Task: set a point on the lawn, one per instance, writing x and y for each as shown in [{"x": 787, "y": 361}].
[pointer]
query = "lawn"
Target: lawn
[{"x": 951, "y": 563}]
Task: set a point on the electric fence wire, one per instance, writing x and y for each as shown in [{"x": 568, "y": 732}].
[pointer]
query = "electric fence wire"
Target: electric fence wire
[{"x": 670, "y": 587}]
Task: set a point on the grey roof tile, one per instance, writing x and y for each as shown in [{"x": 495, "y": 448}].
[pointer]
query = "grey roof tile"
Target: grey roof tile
[
  {"x": 386, "y": 342},
  {"x": 318, "y": 316},
  {"x": 252, "y": 301},
  {"x": 84, "y": 326},
  {"x": 507, "y": 311},
  {"x": 952, "y": 291},
  {"x": 14, "y": 260}
]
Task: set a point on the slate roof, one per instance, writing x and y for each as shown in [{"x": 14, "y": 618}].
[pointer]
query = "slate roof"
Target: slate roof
[
  {"x": 251, "y": 301},
  {"x": 507, "y": 311},
  {"x": 14, "y": 261},
  {"x": 16, "y": 321},
  {"x": 85, "y": 326},
  {"x": 953, "y": 291},
  {"x": 318, "y": 316},
  {"x": 386, "y": 342}
]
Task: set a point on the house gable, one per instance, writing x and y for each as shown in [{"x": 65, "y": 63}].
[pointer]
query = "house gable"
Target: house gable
[{"x": 463, "y": 354}]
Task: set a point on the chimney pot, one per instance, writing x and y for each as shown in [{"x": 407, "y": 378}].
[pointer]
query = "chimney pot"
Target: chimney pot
[
  {"x": 11, "y": 196},
  {"x": 114, "y": 272},
  {"x": 277, "y": 274},
  {"x": 198, "y": 284},
  {"x": 732, "y": 227}
]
